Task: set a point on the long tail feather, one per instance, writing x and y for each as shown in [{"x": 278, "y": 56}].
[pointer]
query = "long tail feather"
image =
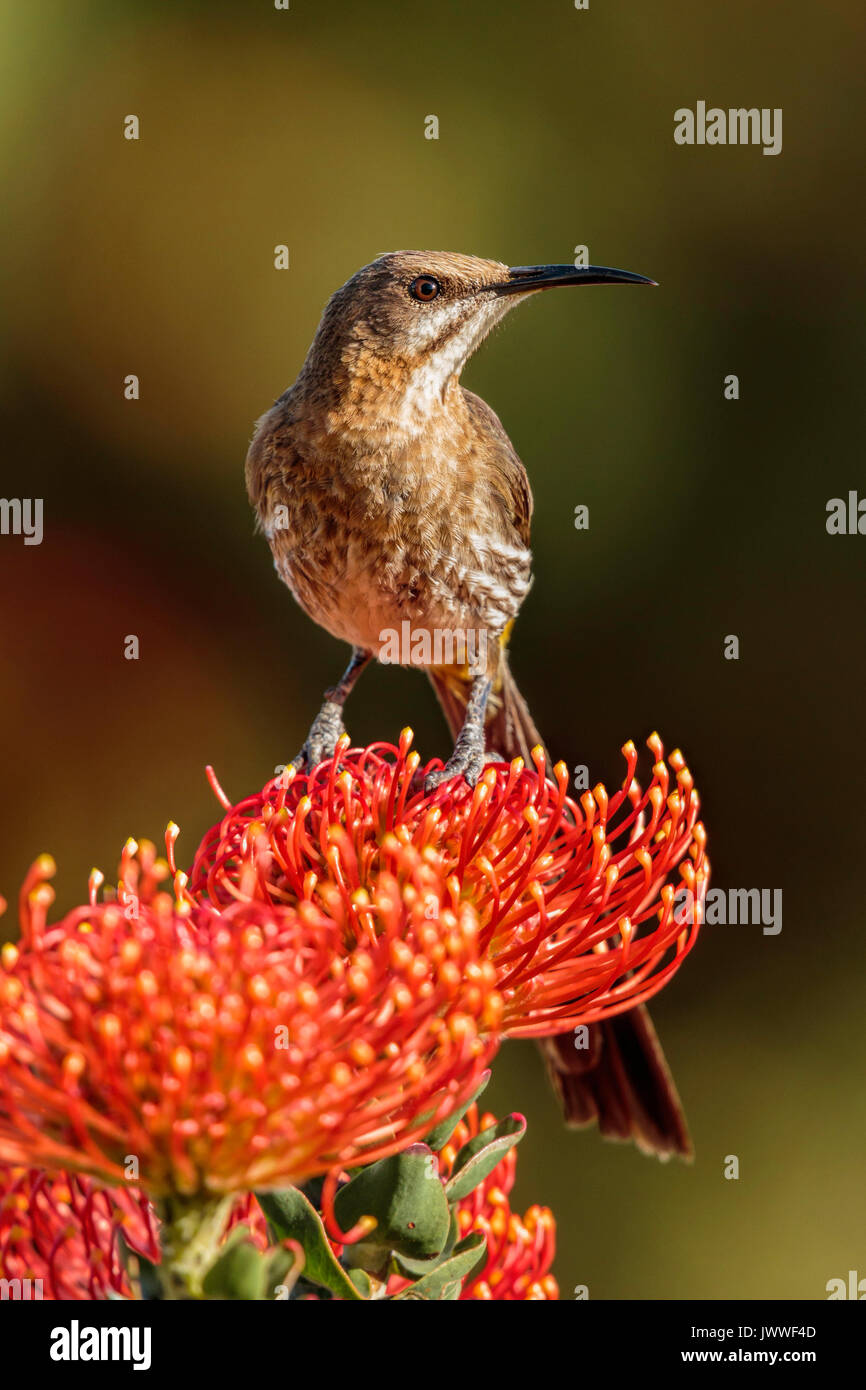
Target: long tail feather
[{"x": 622, "y": 1081}]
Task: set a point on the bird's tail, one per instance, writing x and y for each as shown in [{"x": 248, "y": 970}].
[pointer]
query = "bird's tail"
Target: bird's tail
[{"x": 621, "y": 1079}]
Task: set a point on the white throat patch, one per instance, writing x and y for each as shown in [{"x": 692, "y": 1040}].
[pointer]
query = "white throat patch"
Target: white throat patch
[{"x": 427, "y": 382}]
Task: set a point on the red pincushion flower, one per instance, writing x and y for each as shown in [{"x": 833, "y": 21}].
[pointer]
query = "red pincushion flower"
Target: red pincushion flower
[
  {"x": 60, "y": 1231},
  {"x": 250, "y": 1047},
  {"x": 519, "y": 1250},
  {"x": 575, "y": 903},
  {"x": 337, "y": 972}
]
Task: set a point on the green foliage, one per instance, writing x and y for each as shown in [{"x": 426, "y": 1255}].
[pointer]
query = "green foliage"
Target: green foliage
[
  {"x": 441, "y": 1133},
  {"x": 479, "y": 1156},
  {"x": 291, "y": 1216},
  {"x": 415, "y": 1235},
  {"x": 405, "y": 1195},
  {"x": 446, "y": 1280},
  {"x": 239, "y": 1272}
]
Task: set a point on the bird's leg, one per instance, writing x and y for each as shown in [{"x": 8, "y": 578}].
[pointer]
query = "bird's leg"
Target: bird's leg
[
  {"x": 468, "y": 755},
  {"x": 327, "y": 726}
]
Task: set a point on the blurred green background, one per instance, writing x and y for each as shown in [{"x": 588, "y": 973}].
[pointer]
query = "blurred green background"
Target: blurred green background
[{"x": 707, "y": 517}]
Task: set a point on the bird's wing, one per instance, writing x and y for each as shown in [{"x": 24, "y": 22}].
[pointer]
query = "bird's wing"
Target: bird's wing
[{"x": 506, "y": 475}]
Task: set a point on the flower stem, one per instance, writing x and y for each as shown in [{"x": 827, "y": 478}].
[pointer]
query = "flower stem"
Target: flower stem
[{"x": 190, "y": 1235}]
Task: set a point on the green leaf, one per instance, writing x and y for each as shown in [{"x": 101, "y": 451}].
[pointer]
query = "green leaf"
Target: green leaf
[
  {"x": 291, "y": 1216},
  {"x": 445, "y": 1283},
  {"x": 415, "y": 1268},
  {"x": 480, "y": 1155},
  {"x": 405, "y": 1195},
  {"x": 362, "y": 1281},
  {"x": 373, "y": 1259},
  {"x": 441, "y": 1133},
  {"x": 239, "y": 1272},
  {"x": 280, "y": 1263}
]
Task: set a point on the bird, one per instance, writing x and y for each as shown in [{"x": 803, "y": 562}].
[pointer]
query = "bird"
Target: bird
[{"x": 398, "y": 514}]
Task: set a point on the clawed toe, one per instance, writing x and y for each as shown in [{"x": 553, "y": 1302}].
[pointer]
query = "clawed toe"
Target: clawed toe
[
  {"x": 321, "y": 741},
  {"x": 467, "y": 762}
]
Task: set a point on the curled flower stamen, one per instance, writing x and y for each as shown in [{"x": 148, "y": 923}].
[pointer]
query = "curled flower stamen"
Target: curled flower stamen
[
  {"x": 337, "y": 969},
  {"x": 550, "y": 880}
]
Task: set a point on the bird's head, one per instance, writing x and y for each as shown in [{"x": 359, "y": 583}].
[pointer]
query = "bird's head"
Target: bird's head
[{"x": 420, "y": 314}]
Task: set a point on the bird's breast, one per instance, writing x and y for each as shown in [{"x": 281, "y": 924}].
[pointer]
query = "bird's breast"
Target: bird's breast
[{"x": 370, "y": 539}]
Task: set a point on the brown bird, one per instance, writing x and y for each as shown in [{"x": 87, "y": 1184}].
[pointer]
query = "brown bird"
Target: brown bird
[{"x": 398, "y": 513}]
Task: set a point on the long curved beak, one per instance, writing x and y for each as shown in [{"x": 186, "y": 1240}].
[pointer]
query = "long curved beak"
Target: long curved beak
[{"x": 524, "y": 279}]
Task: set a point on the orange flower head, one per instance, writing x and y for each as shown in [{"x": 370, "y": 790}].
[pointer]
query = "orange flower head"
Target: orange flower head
[
  {"x": 203, "y": 1050},
  {"x": 574, "y": 901}
]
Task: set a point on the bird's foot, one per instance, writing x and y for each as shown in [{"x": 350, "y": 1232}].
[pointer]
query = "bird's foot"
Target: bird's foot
[
  {"x": 467, "y": 759},
  {"x": 321, "y": 741}
]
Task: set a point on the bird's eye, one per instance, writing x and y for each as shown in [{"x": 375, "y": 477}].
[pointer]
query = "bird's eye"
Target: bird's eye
[{"x": 424, "y": 288}]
